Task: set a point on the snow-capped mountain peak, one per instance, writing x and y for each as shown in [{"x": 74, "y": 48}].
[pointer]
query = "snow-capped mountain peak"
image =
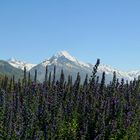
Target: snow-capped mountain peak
[
  {"x": 66, "y": 55},
  {"x": 61, "y": 56},
  {"x": 63, "y": 60},
  {"x": 20, "y": 64}
]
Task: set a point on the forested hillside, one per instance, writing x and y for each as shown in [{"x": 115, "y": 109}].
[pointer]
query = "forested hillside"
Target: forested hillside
[
  {"x": 63, "y": 110},
  {"x": 7, "y": 69}
]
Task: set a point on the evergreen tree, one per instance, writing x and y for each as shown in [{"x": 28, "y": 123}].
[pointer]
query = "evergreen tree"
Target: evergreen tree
[
  {"x": 35, "y": 77},
  {"x": 62, "y": 79},
  {"x": 29, "y": 79},
  {"x": 69, "y": 109},
  {"x": 49, "y": 82},
  {"x": 54, "y": 73},
  {"x": 46, "y": 74},
  {"x": 24, "y": 79}
]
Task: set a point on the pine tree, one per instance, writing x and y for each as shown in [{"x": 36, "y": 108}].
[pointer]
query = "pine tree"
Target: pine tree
[
  {"x": 102, "y": 83},
  {"x": 29, "y": 79},
  {"x": 54, "y": 73},
  {"x": 86, "y": 81},
  {"x": 49, "y": 82},
  {"x": 95, "y": 68},
  {"x": 24, "y": 79},
  {"x": 62, "y": 79},
  {"x": 46, "y": 74},
  {"x": 35, "y": 77}
]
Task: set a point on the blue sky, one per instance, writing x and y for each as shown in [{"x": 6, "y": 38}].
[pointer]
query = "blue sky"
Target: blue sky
[{"x": 33, "y": 30}]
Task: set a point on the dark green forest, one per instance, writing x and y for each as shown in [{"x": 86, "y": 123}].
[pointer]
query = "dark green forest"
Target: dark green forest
[{"x": 67, "y": 110}]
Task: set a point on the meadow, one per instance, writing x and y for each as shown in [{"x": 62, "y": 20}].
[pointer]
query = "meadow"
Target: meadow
[{"x": 67, "y": 110}]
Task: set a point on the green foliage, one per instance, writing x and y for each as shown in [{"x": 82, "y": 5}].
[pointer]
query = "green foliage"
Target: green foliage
[{"x": 66, "y": 110}]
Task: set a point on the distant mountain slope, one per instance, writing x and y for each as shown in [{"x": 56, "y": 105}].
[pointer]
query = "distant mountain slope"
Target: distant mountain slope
[
  {"x": 62, "y": 60},
  {"x": 20, "y": 64},
  {"x": 7, "y": 69},
  {"x": 134, "y": 74},
  {"x": 71, "y": 66}
]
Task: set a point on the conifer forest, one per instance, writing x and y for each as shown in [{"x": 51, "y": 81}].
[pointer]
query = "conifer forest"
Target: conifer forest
[{"x": 67, "y": 110}]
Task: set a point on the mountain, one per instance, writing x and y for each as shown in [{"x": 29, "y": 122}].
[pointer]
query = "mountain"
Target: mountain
[
  {"x": 62, "y": 60},
  {"x": 134, "y": 74},
  {"x": 7, "y": 69},
  {"x": 120, "y": 74},
  {"x": 20, "y": 64},
  {"x": 71, "y": 66}
]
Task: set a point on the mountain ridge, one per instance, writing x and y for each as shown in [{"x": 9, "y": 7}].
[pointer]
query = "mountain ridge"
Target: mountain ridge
[
  {"x": 63, "y": 60},
  {"x": 20, "y": 64},
  {"x": 9, "y": 70}
]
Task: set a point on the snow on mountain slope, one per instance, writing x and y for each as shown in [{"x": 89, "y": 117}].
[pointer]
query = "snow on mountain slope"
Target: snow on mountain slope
[
  {"x": 120, "y": 74},
  {"x": 20, "y": 64},
  {"x": 62, "y": 56},
  {"x": 66, "y": 55},
  {"x": 63, "y": 60},
  {"x": 134, "y": 74}
]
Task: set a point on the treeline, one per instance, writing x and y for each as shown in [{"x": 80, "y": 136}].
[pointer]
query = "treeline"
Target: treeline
[{"x": 63, "y": 110}]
